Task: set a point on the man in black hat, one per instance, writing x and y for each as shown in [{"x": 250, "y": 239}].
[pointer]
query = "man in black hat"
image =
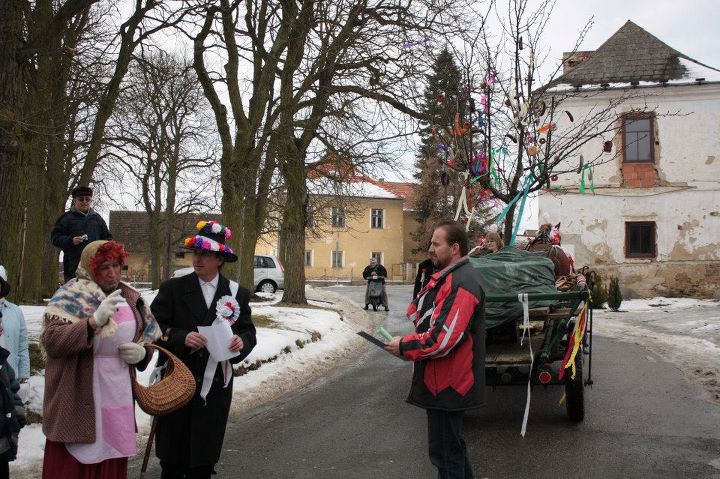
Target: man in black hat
[
  {"x": 190, "y": 440},
  {"x": 77, "y": 228}
]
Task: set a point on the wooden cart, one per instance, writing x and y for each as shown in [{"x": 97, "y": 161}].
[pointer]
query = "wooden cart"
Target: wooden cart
[{"x": 552, "y": 334}]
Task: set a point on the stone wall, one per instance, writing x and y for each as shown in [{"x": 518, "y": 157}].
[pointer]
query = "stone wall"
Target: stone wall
[{"x": 697, "y": 279}]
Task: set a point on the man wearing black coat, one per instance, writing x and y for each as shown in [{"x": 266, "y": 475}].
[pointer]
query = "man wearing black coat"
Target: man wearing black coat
[
  {"x": 189, "y": 440},
  {"x": 77, "y": 228}
]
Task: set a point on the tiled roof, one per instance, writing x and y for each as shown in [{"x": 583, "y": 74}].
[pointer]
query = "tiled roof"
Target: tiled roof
[
  {"x": 131, "y": 228},
  {"x": 633, "y": 55},
  {"x": 406, "y": 191}
]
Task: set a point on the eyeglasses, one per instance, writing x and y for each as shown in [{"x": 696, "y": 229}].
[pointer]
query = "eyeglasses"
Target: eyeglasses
[{"x": 84, "y": 199}]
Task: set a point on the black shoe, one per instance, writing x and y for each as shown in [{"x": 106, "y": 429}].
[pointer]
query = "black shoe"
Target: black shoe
[
  {"x": 366, "y": 307},
  {"x": 387, "y": 309}
]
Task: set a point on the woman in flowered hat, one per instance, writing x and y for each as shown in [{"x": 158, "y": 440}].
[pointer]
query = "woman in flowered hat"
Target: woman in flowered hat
[
  {"x": 189, "y": 440},
  {"x": 93, "y": 331}
]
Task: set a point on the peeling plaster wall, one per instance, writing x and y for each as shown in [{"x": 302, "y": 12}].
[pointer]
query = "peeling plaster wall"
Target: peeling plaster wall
[
  {"x": 685, "y": 205},
  {"x": 687, "y": 135}
]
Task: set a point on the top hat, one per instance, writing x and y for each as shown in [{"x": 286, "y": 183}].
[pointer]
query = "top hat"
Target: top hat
[{"x": 211, "y": 236}]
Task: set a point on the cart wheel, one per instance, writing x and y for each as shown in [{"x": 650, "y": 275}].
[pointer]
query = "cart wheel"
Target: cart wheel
[{"x": 574, "y": 392}]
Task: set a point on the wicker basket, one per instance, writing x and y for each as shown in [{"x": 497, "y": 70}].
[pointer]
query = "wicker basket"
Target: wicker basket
[{"x": 173, "y": 391}]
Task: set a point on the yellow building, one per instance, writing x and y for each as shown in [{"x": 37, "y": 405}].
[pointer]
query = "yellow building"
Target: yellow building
[{"x": 365, "y": 218}]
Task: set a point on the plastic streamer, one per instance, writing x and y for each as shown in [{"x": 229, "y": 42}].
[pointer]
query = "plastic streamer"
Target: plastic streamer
[{"x": 526, "y": 188}]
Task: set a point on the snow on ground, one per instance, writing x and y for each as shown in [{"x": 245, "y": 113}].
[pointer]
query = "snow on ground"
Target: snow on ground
[
  {"x": 685, "y": 332},
  {"x": 305, "y": 343}
]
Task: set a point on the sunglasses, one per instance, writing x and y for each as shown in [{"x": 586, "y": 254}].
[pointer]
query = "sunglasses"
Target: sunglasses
[{"x": 84, "y": 199}]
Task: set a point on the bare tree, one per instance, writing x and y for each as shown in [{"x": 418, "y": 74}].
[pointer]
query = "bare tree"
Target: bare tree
[
  {"x": 509, "y": 142},
  {"x": 352, "y": 63},
  {"x": 57, "y": 83},
  {"x": 159, "y": 134}
]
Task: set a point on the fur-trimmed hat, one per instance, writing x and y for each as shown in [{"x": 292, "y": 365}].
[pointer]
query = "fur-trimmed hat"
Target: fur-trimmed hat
[
  {"x": 211, "y": 236},
  {"x": 82, "y": 191}
]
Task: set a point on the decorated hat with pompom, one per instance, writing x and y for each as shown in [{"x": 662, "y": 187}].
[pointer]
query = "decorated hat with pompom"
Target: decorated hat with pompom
[{"x": 211, "y": 236}]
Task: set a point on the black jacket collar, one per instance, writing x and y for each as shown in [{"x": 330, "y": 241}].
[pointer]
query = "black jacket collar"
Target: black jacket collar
[{"x": 193, "y": 297}]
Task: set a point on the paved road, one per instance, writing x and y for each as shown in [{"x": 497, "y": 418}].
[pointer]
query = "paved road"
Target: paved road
[{"x": 643, "y": 420}]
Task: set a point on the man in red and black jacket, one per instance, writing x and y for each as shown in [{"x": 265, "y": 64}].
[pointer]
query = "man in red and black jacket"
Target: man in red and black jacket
[{"x": 448, "y": 347}]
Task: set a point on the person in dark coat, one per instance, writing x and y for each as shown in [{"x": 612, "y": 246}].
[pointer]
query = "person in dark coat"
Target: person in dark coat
[
  {"x": 375, "y": 272},
  {"x": 425, "y": 270},
  {"x": 448, "y": 348},
  {"x": 77, "y": 228},
  {"x": 12, "y": 409},
  {"x": 189, "y": 440}
]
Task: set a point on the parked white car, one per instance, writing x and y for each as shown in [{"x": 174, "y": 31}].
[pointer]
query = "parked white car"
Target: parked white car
[{"x": 269, "y": 274}]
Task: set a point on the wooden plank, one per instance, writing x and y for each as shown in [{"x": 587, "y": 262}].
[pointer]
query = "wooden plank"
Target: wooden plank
[
  {"x": 511, "y": 353},
  {"x": 539, "y": 312},
  {"x": 534, "y": 326}
]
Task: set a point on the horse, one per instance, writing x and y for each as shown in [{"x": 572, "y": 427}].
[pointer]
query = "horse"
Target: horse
[{"x": 548, "y": 241}]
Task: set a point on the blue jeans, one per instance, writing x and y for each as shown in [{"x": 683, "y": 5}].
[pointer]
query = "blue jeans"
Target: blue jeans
[{"x": 446, "y": 444}]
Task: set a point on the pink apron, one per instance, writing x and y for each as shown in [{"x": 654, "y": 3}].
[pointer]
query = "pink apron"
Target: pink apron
[{"x": 114, "y": 409}]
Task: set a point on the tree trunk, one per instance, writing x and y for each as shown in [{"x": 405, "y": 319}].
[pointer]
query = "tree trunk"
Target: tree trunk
[
  {"x": 10, "y": 200},
  {"x": 28, "y": 289},
  {"x": 509, "y": 224},
  {"x": 294, "y": 218}
]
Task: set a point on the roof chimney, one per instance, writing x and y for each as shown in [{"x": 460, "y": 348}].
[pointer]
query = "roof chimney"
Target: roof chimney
[{"x": 573, "y": 59}]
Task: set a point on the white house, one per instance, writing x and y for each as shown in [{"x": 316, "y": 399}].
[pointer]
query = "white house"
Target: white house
[{"x": 654, "y": 218}]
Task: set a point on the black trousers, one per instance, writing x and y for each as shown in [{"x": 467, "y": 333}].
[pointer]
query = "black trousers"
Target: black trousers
[
  {"x": 175, "y": 471},
  {"x": 4, "y": 466},
  {"x": 447, "y": 446}
]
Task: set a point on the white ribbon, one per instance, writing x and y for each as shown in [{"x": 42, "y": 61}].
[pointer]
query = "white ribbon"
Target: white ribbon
[
  {"x": 462, "y": 201},
  {"x": 209, "y": 375},
  {"x": 523, "y": 298}
]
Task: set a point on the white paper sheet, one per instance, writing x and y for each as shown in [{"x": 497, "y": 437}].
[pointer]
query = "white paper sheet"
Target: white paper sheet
[{"x": 219, "y": 336}]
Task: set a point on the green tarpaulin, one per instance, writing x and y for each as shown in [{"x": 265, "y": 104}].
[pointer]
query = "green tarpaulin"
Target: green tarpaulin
[{"x": 513, "y": 271}]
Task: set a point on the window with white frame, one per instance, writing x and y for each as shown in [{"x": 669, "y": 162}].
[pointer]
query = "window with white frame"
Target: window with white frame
[
  {"x": 308, "y": 257},
  {"x": 377, "y": 218},
  {"x": 337, "y": 259},
  {"x": 338, "y": 217}
]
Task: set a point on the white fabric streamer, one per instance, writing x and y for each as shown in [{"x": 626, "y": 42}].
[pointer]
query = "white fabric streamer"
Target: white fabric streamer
[{"x": 523, "y": 298}]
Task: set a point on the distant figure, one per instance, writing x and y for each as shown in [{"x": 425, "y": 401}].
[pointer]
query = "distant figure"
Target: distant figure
[
  {"x": 490, "y": 244},
  {"x": 494, "y": 242},
  {"x": 77, "y": 228},
  {"x": 375, "y": 272},
  {"x": 14, "y": 339},
  {"x": 425, "y": 270}
]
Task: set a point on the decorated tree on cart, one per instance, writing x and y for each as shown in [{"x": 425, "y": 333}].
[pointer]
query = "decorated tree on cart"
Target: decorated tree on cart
[{"x": 510, "y": 135}]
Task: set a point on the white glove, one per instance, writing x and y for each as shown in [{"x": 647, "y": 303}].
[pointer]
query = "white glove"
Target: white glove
[
  {"x": 131, "y": 353},
  {"x": 107, "y": 308}
]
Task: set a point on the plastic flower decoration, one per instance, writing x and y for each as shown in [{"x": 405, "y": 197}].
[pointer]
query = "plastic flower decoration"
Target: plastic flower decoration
[{"x": 228, "y": 309}]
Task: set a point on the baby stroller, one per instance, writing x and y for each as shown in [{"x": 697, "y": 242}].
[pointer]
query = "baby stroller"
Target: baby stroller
[{"x": 375, "y": 294}]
